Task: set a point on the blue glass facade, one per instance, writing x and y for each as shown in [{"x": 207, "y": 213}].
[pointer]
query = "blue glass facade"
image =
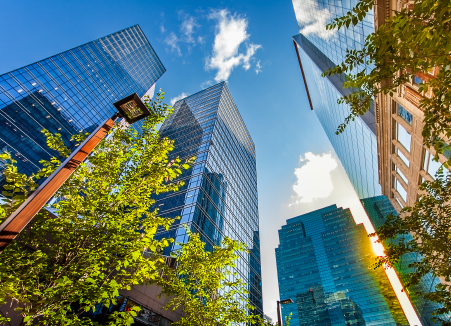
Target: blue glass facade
[
  {"x": 377, "y": 208},
  {"x": 323, "y": 264},
  {"x": 219, "y": 197},
  {"x": 319, "y": 50},
  {"x": 71, "y": 92}
]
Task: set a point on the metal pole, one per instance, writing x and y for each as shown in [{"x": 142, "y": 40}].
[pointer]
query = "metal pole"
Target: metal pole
[
  {"x": 279, "y": 318},
  {"x": 15, "y": 223}
]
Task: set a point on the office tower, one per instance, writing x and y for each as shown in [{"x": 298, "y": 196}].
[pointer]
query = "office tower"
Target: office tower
[
  {"x": 71, "y": 92},
  {"x": 219, "y": 197},
  {"x": 318, "y": 50},
  {"x": 323, "y": 264},
  {"x": 377, "y": 209}
]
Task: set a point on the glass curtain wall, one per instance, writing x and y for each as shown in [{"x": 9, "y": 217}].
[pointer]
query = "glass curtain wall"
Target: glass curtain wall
[
  {"x": 219, "y": 197},
  {"x": 322, "y": 265},
  {"x": 71, "y": 92},
  {"x": 377, "y": 209},
  {"x": 319, "y": 50}
]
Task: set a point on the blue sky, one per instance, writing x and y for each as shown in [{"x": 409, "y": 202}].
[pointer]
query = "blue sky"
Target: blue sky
[{"x": 249, "y": 44}]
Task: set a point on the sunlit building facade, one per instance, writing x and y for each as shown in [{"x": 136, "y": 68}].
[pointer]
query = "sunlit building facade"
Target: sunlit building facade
[
  {"x": 71, "y": 92},
  {"x": 322, "y": 265},
  {"x": 219, "y": 198},
  {"x": 378, "y": 208},
  {"x": 318, "y": 50},
  {"x": 405, "y": 162}
]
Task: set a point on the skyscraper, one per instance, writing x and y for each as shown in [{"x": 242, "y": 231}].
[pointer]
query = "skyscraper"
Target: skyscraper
[
  {"x": 318, "y": 50},
  {"x": 71, "y": 92},
  {"x": 323, "y": 264},
  {"x": 377, "y": 209},
  {"x": 219, "y": 197}
]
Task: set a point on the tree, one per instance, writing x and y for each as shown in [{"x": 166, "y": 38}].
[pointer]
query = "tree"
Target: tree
[
  {"x": 415, "y": 40},
  {"x": 204, "y": 285},
  {"x": 423, "y": 229},
  {"x": 104, "y": 221}
]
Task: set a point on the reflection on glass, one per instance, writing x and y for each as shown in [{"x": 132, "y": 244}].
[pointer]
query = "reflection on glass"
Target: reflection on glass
[
  {"x": 403, "y": 177},
  {"x": 403, "y": 136},
  {"x": 431, "y": 166},
  {"x": 319, "y": 50},
  {"x": 400, "y": 189},
  {"x": 22, "y": 134},
  {"x": 318, "y": 308},
  {"x": 72, "y": 92},
  {"x": 219, "y": 197},
  {"x": 417, "y": 81},
  {"x": 399, "y": 202},
  {"x": 406, "y": 115},
  {"x": 322, "y": 265},
  {"x": 403, "y": 157},
  {"x": 378, "y": 208}
]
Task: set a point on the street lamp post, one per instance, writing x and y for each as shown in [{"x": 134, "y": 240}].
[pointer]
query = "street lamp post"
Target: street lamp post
[
  {"x": 279, "y": 314},
  {"x": 131, "y": 108}
]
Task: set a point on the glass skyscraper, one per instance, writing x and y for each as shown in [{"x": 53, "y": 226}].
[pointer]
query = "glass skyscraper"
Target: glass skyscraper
[
  {"x": 323, "y": 264},
  {"x": 219, "y": 197},
  {"x": 71, "y": 92},
  {"x": 319, "y": 50},
  {"x": 377, "y": 209}
]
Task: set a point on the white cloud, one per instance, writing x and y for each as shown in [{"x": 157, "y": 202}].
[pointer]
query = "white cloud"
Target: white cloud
[
  {"x": 312, "y": 24},
  {"x": 313, "y": 178},
  {"x": 230, "y": 34},
  {"x": 187, "y": 34},
  {"x": 206, "y": 84},
  {"x": 179, "y": 97},
  {"x": 258, "y": 67},
  {"x": 187, "y": 29},
  {"x": 172, "y": 40}
]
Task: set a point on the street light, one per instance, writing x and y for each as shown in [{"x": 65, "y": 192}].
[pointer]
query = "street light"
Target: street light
[
  {"x": 131, "y": 108},
  {"x": 286, "y": 301}
]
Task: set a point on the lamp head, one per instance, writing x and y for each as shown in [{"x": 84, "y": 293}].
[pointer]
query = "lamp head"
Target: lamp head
[
  {"x": 131, "y": 108},
  {"x": 286, "y": 301}
]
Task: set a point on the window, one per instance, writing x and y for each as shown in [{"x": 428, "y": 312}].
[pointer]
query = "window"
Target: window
[
  {"x": 431, "y": 166},
  {"x": 402, "y": 157},
  {"x": 403, "y": 136},
  {"x": 399, "y": 202},
  {"x": 417, "y": 81},
  {"x": 400, "y": 189},
  {"x": 403, "y": 177},
  {"x": 406, "y": 115}
]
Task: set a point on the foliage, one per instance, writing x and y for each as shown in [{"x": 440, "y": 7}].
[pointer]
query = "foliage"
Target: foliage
[
  {"x": 423, "y": 229},
  {"x": 412, "y": 42},
  {"x": 286, "y": 322},
  {"x": 204, "y": 285},
  {"x": 258, "y": 320},
  {"x": 105, "y": 220}
]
